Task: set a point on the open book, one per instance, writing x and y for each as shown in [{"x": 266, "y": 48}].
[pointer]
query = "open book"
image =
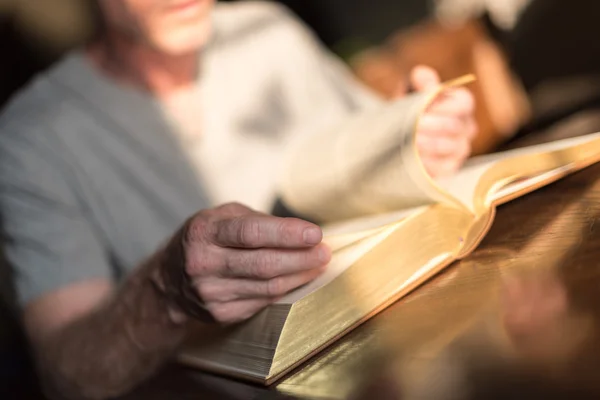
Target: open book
[{"x": 390, "y": 226}]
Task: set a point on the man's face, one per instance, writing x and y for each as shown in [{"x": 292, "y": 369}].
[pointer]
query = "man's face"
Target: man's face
[{"x": 171, "y": 26}]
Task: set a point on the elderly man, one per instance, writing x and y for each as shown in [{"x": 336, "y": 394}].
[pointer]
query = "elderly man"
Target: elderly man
[{"x": 111, "y": 162}]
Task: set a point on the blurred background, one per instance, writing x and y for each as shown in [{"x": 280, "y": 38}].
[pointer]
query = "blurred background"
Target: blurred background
[
  {"x": 523, "y": 51},
  {"x": 537, "y": 63}
]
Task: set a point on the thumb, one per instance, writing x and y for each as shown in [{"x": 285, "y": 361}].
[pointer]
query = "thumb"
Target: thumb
[{"x": 424, "y": 78}]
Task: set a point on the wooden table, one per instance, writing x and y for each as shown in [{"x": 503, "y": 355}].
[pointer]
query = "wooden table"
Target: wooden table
[{"x": 521, "y": 314}]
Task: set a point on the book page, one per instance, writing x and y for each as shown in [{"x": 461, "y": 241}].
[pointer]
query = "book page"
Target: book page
[
  {"x": 463, "y": 185},
  {"x": 348, "y": 242},
  {"x": 342, "y": 258},
  {"x": 363, "y": 225},
  {"x": 508, "y": 190},
  {"x": 367, "y": 165}
]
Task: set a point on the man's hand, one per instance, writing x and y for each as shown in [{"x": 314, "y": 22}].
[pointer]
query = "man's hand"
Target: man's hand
[
  {"x": 238, "y": 261},
  {"x": 230, "y": 260},
  {"x": 446, "y": 130}
]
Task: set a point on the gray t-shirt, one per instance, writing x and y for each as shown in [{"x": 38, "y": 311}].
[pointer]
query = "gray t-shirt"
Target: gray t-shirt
[{"x": 93, "y": 176}]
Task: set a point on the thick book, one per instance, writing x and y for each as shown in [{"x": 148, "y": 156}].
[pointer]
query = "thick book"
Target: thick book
[{"x": 391, "y": 227}]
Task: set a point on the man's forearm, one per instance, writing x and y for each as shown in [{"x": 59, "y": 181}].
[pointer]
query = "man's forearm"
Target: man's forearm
[{"x": 115, "y": 347}]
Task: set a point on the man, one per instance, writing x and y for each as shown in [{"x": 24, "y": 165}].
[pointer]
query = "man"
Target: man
[{"x": 111, "y": 161}]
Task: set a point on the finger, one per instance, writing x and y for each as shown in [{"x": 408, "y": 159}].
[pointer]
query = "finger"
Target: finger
[
  {"x": 424, "y": 78},
  {"x": 442, "y": 146},
  {"x": 270, "y": 263},
  {"x": 438, "y": 164},
  {"x": 204, "y": 259},
  {"x": 472, "y": 129},
  {"x": 259, "y": 231},
  {"x": 207, "y": 260},
  {"x": 455, "y": 102},
  {"x": 222, "y": 290},
  {"x": 441, "y": 167},
  {"x": 200, "y": 227},
  {"x": 436, "y": 147},
  {"x": 238, "y": 311},
  {"x": 441, "y": 125}
]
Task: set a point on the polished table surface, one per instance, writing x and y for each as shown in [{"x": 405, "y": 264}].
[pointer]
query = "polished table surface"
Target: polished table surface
[{"x": 521, "y": 315}]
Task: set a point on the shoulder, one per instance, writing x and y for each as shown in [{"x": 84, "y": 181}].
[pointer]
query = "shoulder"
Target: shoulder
[
  {"x": 38, "y": 104},
  {"x": 29, "y": 135},
  {"x": 37, "y": 110}
]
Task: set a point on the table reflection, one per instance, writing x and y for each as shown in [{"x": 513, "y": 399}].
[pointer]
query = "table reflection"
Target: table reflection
[{"x": 520, "y": 314}]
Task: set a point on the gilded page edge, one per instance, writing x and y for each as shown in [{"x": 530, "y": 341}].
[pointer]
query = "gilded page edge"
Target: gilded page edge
[{"x": 280, "y": 368}]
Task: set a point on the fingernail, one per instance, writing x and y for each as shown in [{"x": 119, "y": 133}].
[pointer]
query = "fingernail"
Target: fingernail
[{"x": 312, "y": 236}]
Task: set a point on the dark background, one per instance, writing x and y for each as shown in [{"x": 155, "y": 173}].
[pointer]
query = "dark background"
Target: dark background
[{"x": 345, "y": 26}]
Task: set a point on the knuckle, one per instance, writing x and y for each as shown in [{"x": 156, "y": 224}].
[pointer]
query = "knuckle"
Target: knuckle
[
  {"x": 195, "y": 267},
  {"x": 248, "y": 231},
  {"x": 228, "y": 268},
  {"x": 262, "y": 270},
  {"x": 197, "y": 229},
  {"x": 266, "y": 265},
  {"x": 191, "y": 266},
  {"x": 205, "y": 263},
  {"x": 205, "y": 291}
]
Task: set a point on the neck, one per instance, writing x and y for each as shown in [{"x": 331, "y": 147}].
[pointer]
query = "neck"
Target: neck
[{"x": 142, "y": 66}]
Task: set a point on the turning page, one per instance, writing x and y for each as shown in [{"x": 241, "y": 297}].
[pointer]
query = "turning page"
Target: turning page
[{"x": 368, "y": 165}]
